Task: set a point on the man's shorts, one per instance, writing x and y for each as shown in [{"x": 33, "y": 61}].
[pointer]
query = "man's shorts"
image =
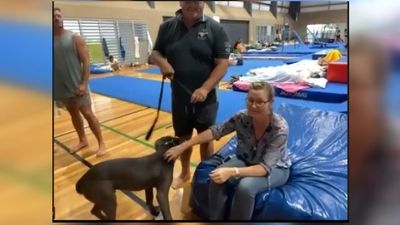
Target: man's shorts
[
  {"x": 199, "y": 116},
  {"x": 80, "y": 101}
]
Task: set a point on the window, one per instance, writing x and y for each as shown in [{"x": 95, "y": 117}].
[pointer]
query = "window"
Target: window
[
  {"x": 261, "y": 5},
  {"x": 255, "y": 6},
  {"x": 94, "y": 30},
  {"x": 264, "y": 7},
  {"x": 140, "y": 30},
  {"x": 221, "y": 3},
  {"x": 283, "y": 7},
  {"x": 321, "y": 32},
  {"x": 238, "y": 4},
  {"x": 72, "y": 25},
  {"x": 264, "y": 33},
  {"x": 90, "y": 31}
]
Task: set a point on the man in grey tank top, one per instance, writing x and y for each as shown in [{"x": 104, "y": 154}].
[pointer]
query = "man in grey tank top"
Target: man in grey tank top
[{"x": 71, "y": 75}]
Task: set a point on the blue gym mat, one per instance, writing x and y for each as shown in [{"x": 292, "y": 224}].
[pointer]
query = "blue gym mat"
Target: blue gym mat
[
  {"x": 146, "y": 92},
  {"x": 334, "y": 92},
  {"x": 27, "y": 54},
  {"x": 298, "y": 59},
  {"x": 232, "y": 70},
  {"x": 154, "y": 70}
]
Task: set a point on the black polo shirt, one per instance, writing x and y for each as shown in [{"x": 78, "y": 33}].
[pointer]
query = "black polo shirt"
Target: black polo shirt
[{"x": 191, "y": 52}]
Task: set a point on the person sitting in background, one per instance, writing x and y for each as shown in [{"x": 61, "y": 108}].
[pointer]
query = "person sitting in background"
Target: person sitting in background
[
  {"x": 114, "y": 64},
  {"x": 239, "y": 46}
]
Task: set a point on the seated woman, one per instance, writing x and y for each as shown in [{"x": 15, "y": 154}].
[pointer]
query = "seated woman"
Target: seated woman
[
  {"x": 239, "y": 46},
  {"x": 261, "y": 161},
  {"x": 114, "y": 64}
]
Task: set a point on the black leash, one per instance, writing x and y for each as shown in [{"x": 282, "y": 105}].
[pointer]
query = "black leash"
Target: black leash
[
  {"x": 158, "y": 109},
  {"x": 148, "y": 135},
  {"x": 184, "y": 87}
]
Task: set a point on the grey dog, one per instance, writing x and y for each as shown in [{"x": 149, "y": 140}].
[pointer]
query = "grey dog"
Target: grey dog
[{"x": 98, "y": 185}]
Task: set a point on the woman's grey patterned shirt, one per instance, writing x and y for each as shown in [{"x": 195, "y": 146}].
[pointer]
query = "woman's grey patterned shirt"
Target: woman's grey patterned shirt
[{"x": 269, "y": 151}]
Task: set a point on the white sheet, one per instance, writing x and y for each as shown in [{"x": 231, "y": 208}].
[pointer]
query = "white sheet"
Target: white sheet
[{"x": 299, "y": 72}]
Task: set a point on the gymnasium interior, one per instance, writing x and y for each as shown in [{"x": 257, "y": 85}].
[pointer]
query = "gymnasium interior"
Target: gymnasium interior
[{"x": 277, "y": 37}]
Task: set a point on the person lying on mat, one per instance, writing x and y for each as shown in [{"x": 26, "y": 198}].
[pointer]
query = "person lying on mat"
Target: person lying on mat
[
  {"x": 194, "y": 48},
  {"x": 261, "y": 161}
]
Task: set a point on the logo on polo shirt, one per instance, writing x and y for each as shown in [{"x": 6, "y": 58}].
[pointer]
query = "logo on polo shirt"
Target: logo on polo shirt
[
  {"x": 227, "y": 47},
  {"x": 202, "y": 35}
]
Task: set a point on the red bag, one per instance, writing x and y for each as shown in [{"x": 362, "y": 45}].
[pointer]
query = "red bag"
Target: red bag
[{"x": 337, "y": 72}]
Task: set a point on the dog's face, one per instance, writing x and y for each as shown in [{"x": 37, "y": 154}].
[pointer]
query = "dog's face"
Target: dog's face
[{"x": 165, "y": 143}]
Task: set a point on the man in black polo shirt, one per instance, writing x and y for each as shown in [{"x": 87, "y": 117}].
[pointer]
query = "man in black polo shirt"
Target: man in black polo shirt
[{"x": 194, "y": 48}]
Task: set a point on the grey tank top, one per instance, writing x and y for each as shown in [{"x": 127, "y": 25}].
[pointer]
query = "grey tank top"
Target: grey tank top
[{"x": 67, "y": 66}]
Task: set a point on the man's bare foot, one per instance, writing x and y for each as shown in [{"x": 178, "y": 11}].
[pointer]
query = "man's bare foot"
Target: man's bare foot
[
  {"x": 79, "y": 146},
  {"x": 180, "y": 180},
  {"x": 101, "y": 151}
]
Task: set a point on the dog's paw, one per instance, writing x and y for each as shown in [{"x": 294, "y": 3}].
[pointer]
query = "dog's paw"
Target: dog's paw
[{"x": 155, "y": 211}]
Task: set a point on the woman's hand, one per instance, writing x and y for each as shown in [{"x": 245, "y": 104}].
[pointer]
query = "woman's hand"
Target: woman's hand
[
  {"x": 174, "y": 152},
  {"x": 220, "y": 175}
]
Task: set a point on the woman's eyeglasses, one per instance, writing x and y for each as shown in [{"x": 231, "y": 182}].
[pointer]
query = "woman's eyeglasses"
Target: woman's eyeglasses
[{"x": 258, "y": 103}]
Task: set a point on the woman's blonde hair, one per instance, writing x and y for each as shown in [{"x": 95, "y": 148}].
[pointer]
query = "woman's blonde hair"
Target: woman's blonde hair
[{"x": 264, "y": 86}]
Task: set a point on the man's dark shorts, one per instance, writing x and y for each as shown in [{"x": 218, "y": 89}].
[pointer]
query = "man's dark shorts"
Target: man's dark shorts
[{"x": 200, "y": 116}]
